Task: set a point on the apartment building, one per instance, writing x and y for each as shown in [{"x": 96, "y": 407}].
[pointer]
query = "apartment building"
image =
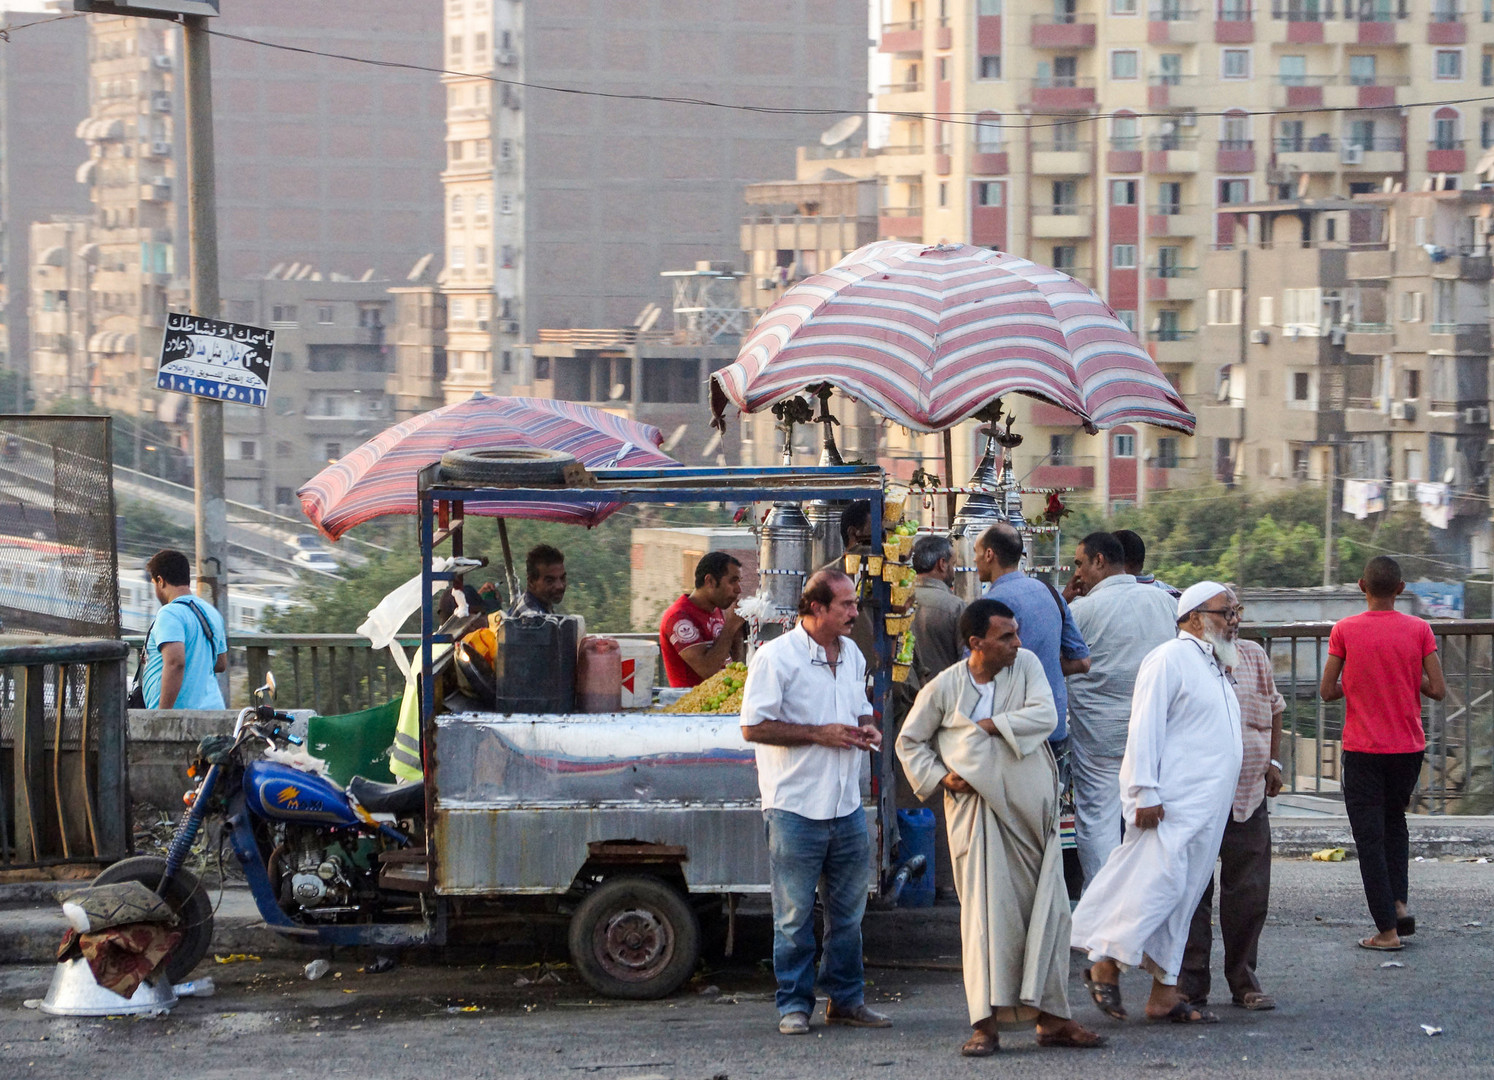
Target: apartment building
[
  {"x": 43, "y": 90},
  {"x": 1111, "y": 137},
  {"x": 562, "y": 209},
  {"x": 1348, "y": 340},
  {"x": 58, "y": 313},
  {"x": 328, "y": 387}
]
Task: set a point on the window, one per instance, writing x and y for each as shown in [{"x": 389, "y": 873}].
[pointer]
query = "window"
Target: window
[
  {"x": 989, "y": 7},
  {"x": 1224, "y": 306},
  {"x": 284, "y": 496},
  {"x": 454, "y": 46},
  {"x": 1444, "y": 133},
  {"x": 248, "y": 450},
  {"x": 1061, "y": 449},
  {"x": 1291, "y": 136},
  {"x": 507, "y": 361},
  {"x": 1234, "y": 64},
  {"x": 283, "y": 313},
  {"x": 1065, "y": 197},
  {"x": 943, "y": 193},
  {"x": 1266, "y": 311},
  {"x": 1123, "y": 193},
  {"x": 1123, "y": 256},
  {"x": 456, "y": 209},
  {"x": 1234, "y": 10},
  {"x": 505, "y": 203},
  {"x": 988, "y": 134},
  {"x": 479, "y": 45},
  {"x": 1302, "y": 311},
  {"x": 1413, "y": 467},
  {"x": 1447, "y": 65},
  {"x": 1124, "y": 446},
  {"x": 1124, "y": 7},
  {"x": 1124, "y": 64},
  {"x": 332, "y": 451},
  {"x": 480, "y": 256},
  {"x": 1486, "y": 69},
  {"x": 1234, "y": 131},
  {"x": 1291, "y": 70},
  {"x": 1234, "y": 191},
  {"x": 1065, "y": 258},
  {"x": 1169, "y": 69},
  {"x": 458, "y": 257},
  {"x": 324, "y": 315},
  {"x": 1300, "y": 463},
  {"x": 1361, "y": 70},
  {"x": 989, "y": 193},
  {"x": 284, "y": 448},
  {"x": 1125, "y": 132},
  {"x": 1413, "y": 384},
  {"x": 1170, "y": 197},
  {"x": 454, "y": 150},
  {"x": 941, "y": 69},
  {"x": 1411, "y": 310},
  {"x": 1167, "y": 453},
  {"x": 990, "y": 66},
  {"x": 1486, "y": 128},
  {"x": 481, "y": 150},
  {"x": 505, "y": 149},
  {"x": 480, "y": 210},
  {"x": 1127, "y": 316},
  {"x": 1301, "y": 383}
]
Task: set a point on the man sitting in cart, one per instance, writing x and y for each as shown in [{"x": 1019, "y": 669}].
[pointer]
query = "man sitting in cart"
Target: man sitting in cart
[
  {"x": 545, "y": 568},
  {"x": 701, "y": 632}
]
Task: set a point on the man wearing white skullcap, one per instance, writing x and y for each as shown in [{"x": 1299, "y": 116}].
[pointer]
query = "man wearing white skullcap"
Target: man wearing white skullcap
[{"x": 1177, "y": 781}]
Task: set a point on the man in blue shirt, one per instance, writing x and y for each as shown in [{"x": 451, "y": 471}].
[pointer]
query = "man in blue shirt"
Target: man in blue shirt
[
  {"x": 187, "y": 642},
  {"x": 1043, "y": 621}
]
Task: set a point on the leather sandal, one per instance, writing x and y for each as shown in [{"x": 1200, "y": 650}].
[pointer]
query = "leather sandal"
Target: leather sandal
[
  {"x": 981, "y": 1044},
  {"x": 1072, "y": 1036},
  {"x": 1106, "y": 996},
  {"x": 1185, "y": 1013}
]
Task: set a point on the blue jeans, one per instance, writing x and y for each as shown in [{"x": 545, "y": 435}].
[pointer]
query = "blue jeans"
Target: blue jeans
[{"x": 833, "y": 856}]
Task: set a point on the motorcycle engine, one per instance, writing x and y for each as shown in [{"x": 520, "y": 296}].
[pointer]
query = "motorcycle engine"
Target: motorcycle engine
[{"x": 317, "y": 872}]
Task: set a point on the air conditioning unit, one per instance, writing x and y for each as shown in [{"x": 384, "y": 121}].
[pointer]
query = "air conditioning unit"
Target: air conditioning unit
[
  {"x": 506, "y": 57},
  {"x": 482, "y": 324},
  {"x": 1351, "y": 154},
  {"x": 1260, "y": 337},
  {"x": 1476, "y": 414},
  {"x": 1400, "y": 491},
  {"x": 510, "y": 326},
  {"x": 1188, "y": 120},
  {"x": 162, "y": 61},
  {"x": 159, "y": 148},
  {"x": 1338, "y": 335},
  {"x": 1402, "y": 410}
]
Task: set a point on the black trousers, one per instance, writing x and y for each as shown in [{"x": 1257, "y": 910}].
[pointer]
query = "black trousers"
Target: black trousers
[
  {"x": 1377, "y": 790},
  {"x": 1244, "y": 894}
]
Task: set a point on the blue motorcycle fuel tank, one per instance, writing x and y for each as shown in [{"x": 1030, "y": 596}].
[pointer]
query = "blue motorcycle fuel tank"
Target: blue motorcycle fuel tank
[{"x": 279, "y": 792}]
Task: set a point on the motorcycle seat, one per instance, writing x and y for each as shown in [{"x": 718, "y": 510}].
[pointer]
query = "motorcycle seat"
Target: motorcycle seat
[{"x": 377, "y": 798}]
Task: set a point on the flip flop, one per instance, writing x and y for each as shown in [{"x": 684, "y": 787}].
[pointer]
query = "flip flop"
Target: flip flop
[
  {"x": 1405, "y": 925},
  {"x": 1184, "y": 1013},
  {"x": 1106, "y": 996},
  {"x": 1256, "y": 1001},
  {"x": 1369, "y": 943}
]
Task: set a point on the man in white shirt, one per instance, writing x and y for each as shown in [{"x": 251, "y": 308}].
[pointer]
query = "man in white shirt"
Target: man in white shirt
[
  {"x": 1121, "y": 621},
  {"x": 805, "y": 710},
  {"x": 1178, "y": 781}
]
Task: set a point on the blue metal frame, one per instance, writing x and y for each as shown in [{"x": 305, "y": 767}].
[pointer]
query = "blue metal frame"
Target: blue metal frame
[{"x": 678, "y": 485}]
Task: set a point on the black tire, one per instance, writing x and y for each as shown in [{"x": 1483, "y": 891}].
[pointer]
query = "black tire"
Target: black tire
[
  {"x": 634, "y": 937},
  {"x": 536, "y": 468},
  {"x": 186, "y": 897}
]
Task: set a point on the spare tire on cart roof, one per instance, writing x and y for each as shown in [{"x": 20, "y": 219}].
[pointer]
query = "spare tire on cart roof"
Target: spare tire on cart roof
[{"x": 528, "y": 468}]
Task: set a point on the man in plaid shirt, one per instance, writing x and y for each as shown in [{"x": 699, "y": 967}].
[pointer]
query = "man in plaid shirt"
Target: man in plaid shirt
[{"x": 1245, "y": 851}]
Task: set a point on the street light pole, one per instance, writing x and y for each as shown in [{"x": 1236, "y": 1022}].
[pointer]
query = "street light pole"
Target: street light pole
[{"x": 211, "y": 517}]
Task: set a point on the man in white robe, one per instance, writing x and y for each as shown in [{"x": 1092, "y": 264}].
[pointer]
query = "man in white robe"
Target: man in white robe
[
  {"x": 978, "y": 734},
  {"x": 1177, "y": 784}
]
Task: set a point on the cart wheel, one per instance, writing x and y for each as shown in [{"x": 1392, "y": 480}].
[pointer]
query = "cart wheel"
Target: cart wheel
[
  {"x": 542, "y": 468},
  {"x": 634, "y": 937},
  {"x": 186, "y": 897}
]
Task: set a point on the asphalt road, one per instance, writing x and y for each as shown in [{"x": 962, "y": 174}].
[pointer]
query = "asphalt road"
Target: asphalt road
[{"x": 1341, "y": 1013}]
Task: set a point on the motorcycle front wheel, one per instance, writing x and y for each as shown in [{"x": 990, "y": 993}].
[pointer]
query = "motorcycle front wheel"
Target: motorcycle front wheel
[{"x": 185, "y": 896}]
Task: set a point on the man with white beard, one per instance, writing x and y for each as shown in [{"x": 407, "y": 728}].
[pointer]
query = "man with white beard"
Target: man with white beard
[{"x": 1182, "y": 761}]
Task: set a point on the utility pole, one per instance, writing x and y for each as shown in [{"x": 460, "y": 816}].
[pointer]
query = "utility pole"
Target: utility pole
[{"x": 211, "y": 516}]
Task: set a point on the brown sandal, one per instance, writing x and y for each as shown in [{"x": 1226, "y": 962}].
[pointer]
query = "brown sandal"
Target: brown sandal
[
  {"x": 1073, "y": 1036},
  {"x": 1107, "y": 996},
  {"x": 981, "y": 1044}
]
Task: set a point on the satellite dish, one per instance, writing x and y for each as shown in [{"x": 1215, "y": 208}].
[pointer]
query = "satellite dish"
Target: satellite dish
[
  {"x": 617, "y": 392},
  {"x": 1449, "y": 475},
  {"x": 840, "y": 131},
  {"x": 674, "y": 439},
  {"x": 1168, "y": 127},
  {"x": 1485, "y": 166}
]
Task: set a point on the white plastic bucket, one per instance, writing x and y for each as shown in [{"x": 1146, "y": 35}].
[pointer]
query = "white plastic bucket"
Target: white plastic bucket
[{"x": 640, "y": 667}]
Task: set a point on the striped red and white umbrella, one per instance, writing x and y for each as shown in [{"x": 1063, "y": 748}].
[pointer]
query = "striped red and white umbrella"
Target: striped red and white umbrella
[
  {"x": 378, "y": 478},
  {"x": 927, "y": 336}
]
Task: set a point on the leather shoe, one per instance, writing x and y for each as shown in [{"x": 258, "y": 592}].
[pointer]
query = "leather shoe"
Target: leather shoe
[
  {"x": 794, "y": 1023},
  {"x": 857, "y": 1016}
]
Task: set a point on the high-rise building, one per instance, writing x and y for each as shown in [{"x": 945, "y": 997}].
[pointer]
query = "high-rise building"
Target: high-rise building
[
  {"x": 43, "y": 95},
  {"x": 1111, "y": 137},
  {"x": 569, "y": 187}
]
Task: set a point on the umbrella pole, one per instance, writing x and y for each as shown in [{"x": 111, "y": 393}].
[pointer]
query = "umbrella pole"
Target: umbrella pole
[
  {"x": 949, "y": 496},
  {"x": 508, "y": 562}
]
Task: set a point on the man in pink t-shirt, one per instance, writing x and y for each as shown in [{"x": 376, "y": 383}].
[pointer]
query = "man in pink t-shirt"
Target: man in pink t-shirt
[{"x": 1387, "y": 661}]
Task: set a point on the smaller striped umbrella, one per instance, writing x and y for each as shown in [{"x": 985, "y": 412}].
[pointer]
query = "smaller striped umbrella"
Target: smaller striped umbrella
[
  {"x": 928, "y": 336},
  {"x": 378, "y": 478}
]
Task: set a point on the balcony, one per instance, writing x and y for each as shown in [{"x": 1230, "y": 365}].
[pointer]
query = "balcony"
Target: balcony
[
  {"x": 1172, "y": 91},
  {"x": 1369, "y": 264},
  {"x": 1176, "y": 219},
  {"x": 1461, "y": 337},
  {"x": 1061, "y": 221},
  {"x": 1318, "y": 154},
  {"x": 988, "y": 160},
  {"x": 1369, "y": 338},
  {"x": 1173, "y": 346},
  {"x": 1125, "y": 155},
  {"x": 1172, "y": 24},
  {"x": 1172, "y": 154},
  {"x": 1304, "y": 21},
  {"x": 901, "y": 96},
  {"x": 1299, "y": 91},
  {"x": 1446, "y": 26},
  {"x": 1173, "y": 283},
  {"x": 1235, "y": 24},
  {"x": 900, "y": 223},
  {"x": 1464, "y": 266},
  {"x": 1062, "y": 158},
  {"x": 902, "y": 38},
  {"x": 1065, "y": 471},
  {"x": 1446, "y": 156},
  {"x": 1063, "y": 32},
  {"x": 1235, "y": 156},
  {"x": 1062, "y": 92}
]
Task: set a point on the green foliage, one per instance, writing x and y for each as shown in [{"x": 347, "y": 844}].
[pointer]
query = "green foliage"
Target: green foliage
[
  {"x": 144, "y": 530},
  {"x": 1253, "y": 539},
  {"x": 597, "y": 561}
]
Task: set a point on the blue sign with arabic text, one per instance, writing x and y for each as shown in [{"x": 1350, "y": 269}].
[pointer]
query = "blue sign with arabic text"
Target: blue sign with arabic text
[{"x": 213, "y": 359}]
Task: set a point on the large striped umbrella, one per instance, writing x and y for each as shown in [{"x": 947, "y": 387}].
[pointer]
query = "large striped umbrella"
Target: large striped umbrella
[
  {"x": 927, "y": 336},
  {"x": 378, "y": 478}
]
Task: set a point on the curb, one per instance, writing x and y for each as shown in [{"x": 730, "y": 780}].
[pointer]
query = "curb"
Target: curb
[{"x": 1467, "y": 836}]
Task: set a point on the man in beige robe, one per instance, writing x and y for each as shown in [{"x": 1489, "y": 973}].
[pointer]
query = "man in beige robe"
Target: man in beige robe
[{"x": 979, "y": 731}]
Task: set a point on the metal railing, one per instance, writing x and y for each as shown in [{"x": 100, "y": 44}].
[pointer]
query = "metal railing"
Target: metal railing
[
  {"x": 1369, "y": 327},
  {"x": 1171, "y": 334},
  {"x": 1060, "y": 146},
  {"x": 1237, "y": 144},
  {"x": 1172, "y": 142},
  {"x": 64, "y": 772},
  {"x": 1171, "y": 13},
  {"x": 900, "y": 211},
  {"x": 1059, "y": 209},
  {"x": 1170, "y": 271},
  {"x": 1302, "y": 12},
  {"x": 907, "y": 86},
  {"x": 1459, "y": 777}
]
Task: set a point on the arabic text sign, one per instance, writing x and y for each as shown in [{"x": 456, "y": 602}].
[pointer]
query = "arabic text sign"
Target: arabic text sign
[{"x": 209, "y": 358}]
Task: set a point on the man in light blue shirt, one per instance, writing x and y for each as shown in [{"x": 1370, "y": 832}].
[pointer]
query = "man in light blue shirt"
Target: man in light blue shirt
[
  {"x": 1043, "y": 619},
  {"x": 187, "y": 642}
]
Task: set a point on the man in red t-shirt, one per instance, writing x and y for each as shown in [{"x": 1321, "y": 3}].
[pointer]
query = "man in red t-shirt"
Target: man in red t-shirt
[
  {"x": 701, "y": 632},
  {"x": 1388, "y": 661}
]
